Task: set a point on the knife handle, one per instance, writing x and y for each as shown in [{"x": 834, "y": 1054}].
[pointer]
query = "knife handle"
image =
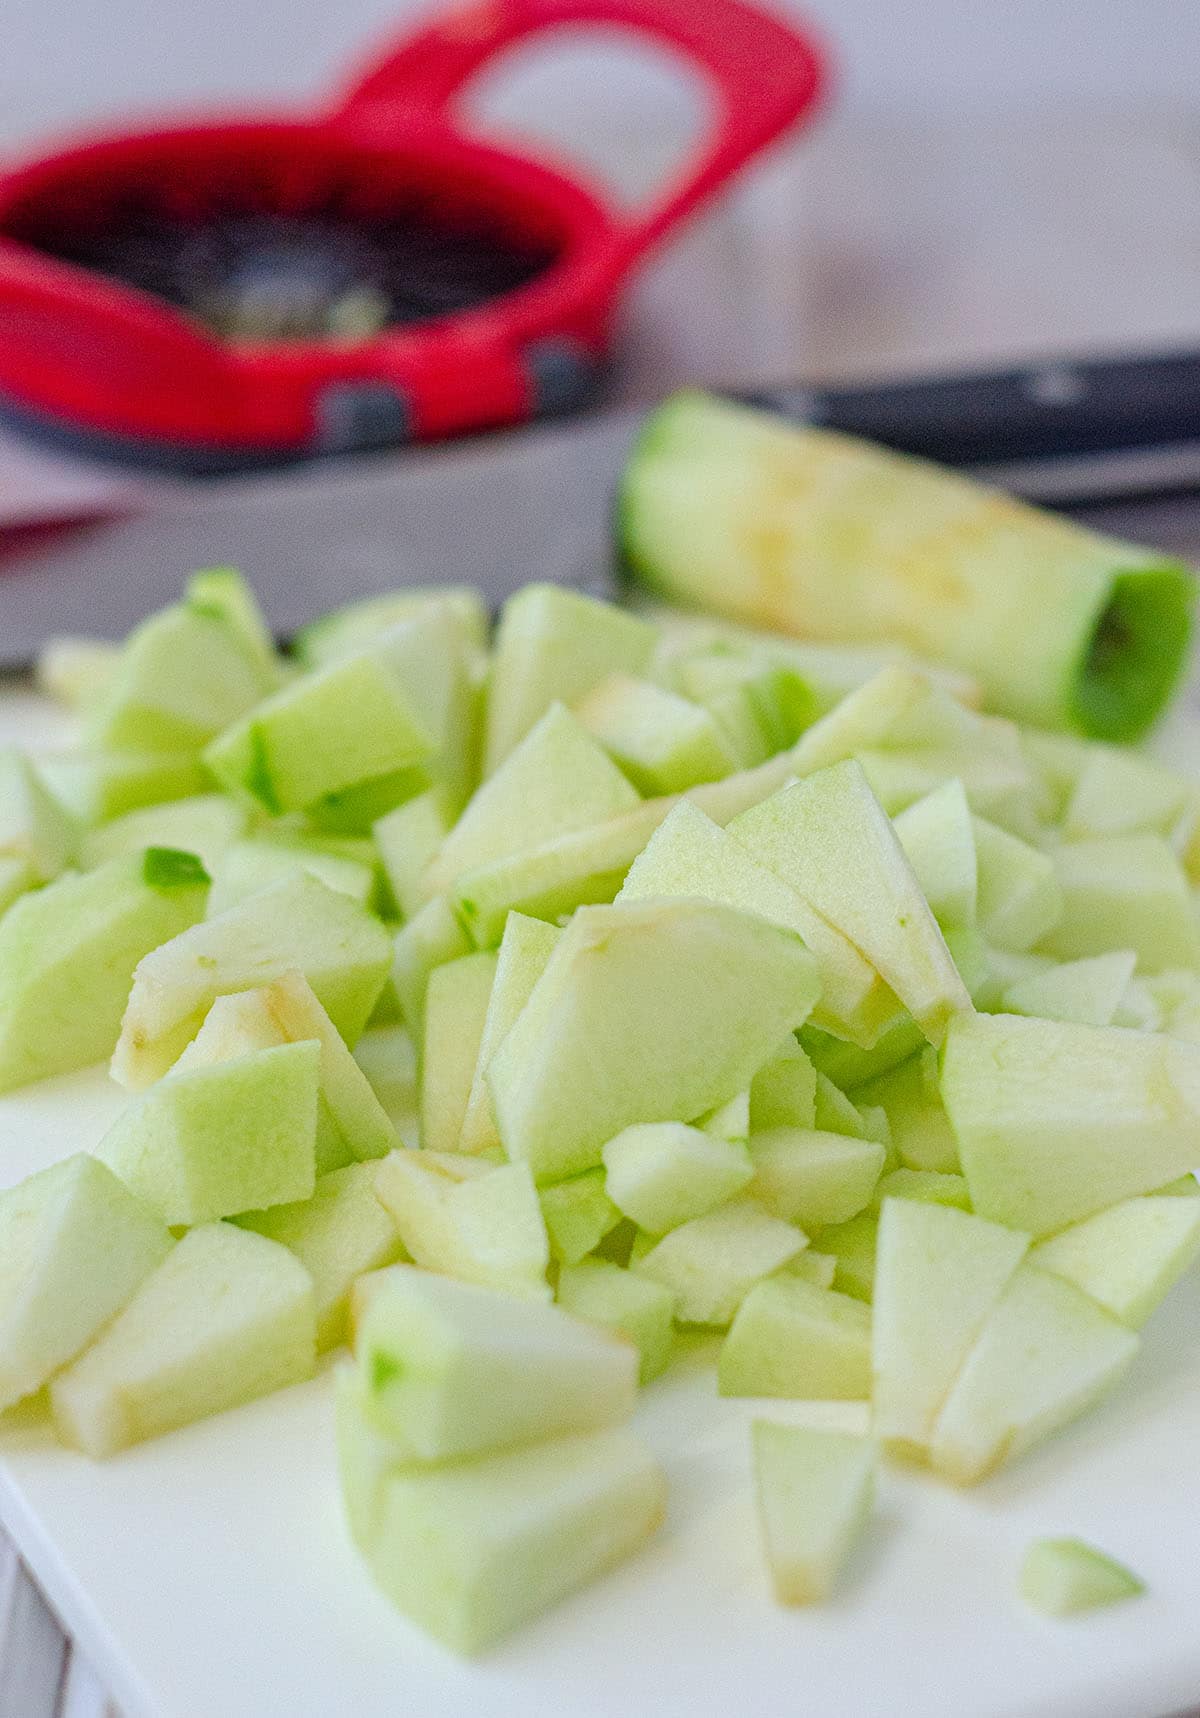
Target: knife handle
[{"x": 1041, "y": 411}]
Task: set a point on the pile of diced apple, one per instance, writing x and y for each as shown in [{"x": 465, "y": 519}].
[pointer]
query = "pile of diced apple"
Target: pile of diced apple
[{"x": 674, "y": 974}]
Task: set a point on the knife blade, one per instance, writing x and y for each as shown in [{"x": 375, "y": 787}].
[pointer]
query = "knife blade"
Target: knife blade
[{"x": 1117, "y": 441}]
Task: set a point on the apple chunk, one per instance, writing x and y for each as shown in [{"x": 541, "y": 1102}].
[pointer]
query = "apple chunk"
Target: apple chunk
[
  {"x": 794, "y": 1339},
  {"x": 483, "y": 1224},
  {"x": 665, "y": 1173},
  {"x": 642, "y": 1310},
  {"x": 1128, "y": 1257},
  {"x": 712, "y": 1263},
  {"x": 1061, "y": 1577},
  {"x": 227, "y": 1316},
  {"x": 74, "y": 1246},
  {"x": 815, "y": 1490}
]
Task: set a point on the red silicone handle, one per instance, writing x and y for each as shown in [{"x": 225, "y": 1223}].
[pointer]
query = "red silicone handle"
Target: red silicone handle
[{"x": 764, "y": 75}]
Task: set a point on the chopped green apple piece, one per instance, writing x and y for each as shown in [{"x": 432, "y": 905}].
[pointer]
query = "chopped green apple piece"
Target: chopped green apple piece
[
  {"x": 1061, "y": 1577},
  {"x": 662, "y": 742},
  {"x": 205, "y": 824},
  {"x": 228, "y": 1316},
  {"x": 429, "y": 939},
  {"x": 553, "y": 645},
  {"x": 223, "y": 594},
  {"x": 731, "y": 1120},
  {"x": 211, "y": 1142},
  {"x": 472, "y": 1550},
  {"x": 452, "y": 1369},
  {"x": 34, "y": 827},
  {"x": 1125, "y": 891},
  {"x": 813, "y": 1178},
  {"x": 664, "y": 1173},
  {"x": 828, "y": 838},
  {"x": 853, "y": 1247},
  {"x": 938, "y": 839},
  {"x": 1056, "y": 1121},
  {"x": 74, "y": 1246},
  {"x": 910, "y": 1097},
  {"x": 298, "y": 924},
  {"x": 456, "y": 1006},
  {"x": 487, "y": 1229},
  {"x": 646, "y": 1011},
  {"x": 96, "y": 786},
  {"x": 1020, "y": 899},
  {"x": 930, "y": 1186},
  {"x": 1087, "y": 991},
  {"x": 812, "y": 1267},
  {"x": 76, "y": 671},
  {"x": 408, "y": 840},
  {"x": 346, "y": 631},
  {"x": 1119, "y": 791},
  {"x": 848, "y": 1065},
  {"x": 793, "y": 1339},
  {"x": 712, "y": 1263},
  {"x": 1129, "y": 1257},
  {"x": 1046, "y": 1353},
  {"x": 783, "y": 1093},
  {"x": 624, "y": 1301},
  {"x": 834, "y": 1112},
  {"x": 525, "y": 949},
  {"x": 815, "y": 1490},
  {"x": 433, "y": 663},
  {"x": 338, "y": 1234},
  {"x": 254, "y": 863},
  {"x": 15, "y": 879},
  {"x": 68, "y": 953},
  {"x": 578, "y": 1214},
  {"x": 939, "y": 1274}
]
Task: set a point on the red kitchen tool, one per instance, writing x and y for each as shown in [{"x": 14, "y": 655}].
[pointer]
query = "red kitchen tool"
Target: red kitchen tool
[{"x": 245, "y": 291}]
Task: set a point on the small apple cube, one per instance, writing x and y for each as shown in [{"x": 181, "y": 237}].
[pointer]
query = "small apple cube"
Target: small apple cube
[
  {"x": 1124, "y": 892},
  {"x": 665, "y": 1173},
  {"x": 812, "y": 1267},
  {"x": 226, "y": 1317},
  {"x": 938, "y": 839},
  {"x": 429, "y": 940},
  {"x": 456, "y": 1006},
  {"x": 95, "y": 786},
  {"x": 911, "y": 1098},
  {"x": 853, "y": 1247},
  {"x": 578, "y": 1214},
  {"x": 662, "y": 742},
  {"x": 815, "y": 1490},
  {"x": 1062, "y": 1577},
  {"x": 783, "y": 1093},
  {"x": 252, "y": 864},
  {"x": 408, "y": 839},
  {"x": 1020, "y": 898},
  {"x": 205, "y": 824},
  {"x": 642, "y": 1310},
  {"x": 930, "y": 1186},
  {"x": 34, "y": 827},
  {"x": 811, "y": 1177},
  {"x": 1129, "y": 1257},
  {"x": 485, "y": 1229},
  {"x": 793, "y": 1339},
  {"x": 1088, "y": 991},
  {"x": 712, "y": 1263},
  {"x": 525, "y": 950}
]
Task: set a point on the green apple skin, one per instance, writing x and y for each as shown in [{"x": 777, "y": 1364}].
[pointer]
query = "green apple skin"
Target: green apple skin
[
  {"x": 938, "y": 839},
  {"x": 552, "y": 646},
  {"x": 793, "y": 1339},
  {"x": 211, "y": 1142},
  {"x": 74, "y": 1246},
  {"x": 228, "y": 1316},
  {"x": 650, "y": 1011},
  {"x": 456, "y": 1007},
  {"x": 1127, "y": 891},
  {"x": 298, "y": 924},
  {"x": 206, "y": 824},
  {"x": 1056, "y": 1121},
  {"x": 626, "y": 1302},
  {"x": 34, "y": 826},
  {"x": 68, "y": 953},
  {"x": 1062, "y": 1577},
  {"x": 525, "y": 950},
  {"x": 1129, "y": 1257},
  {"x": 472, "y": 1550},
  {"x": 939, "y": 1274},
  {"x": 578, "y": 1214},
  {"x": 339, "y": 1234},
  {"x": 430, "y": 939},
  {"x": 814, "y": 1491},
  {"x": 811, "y": 1177},
  {"x": 712, "y": 1263},
  {"x": 451, "y": 1369},
  {"x": 664, "y": 1173},
  {"x": 486, "y": 1229},
  {"x": 1045, "y": 1355},
  {"x": 1088, "y": 991}
]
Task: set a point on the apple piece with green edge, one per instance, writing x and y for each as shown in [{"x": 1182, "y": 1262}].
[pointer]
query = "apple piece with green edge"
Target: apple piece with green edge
[
  {"x": 578, "y": 1214},
  {"x": 68, "y": 953},
  {"x": 662, "y": 742},
  {"x": 1045, "y": 1355},
  {"x": 1122, "y": 792},
  {"x": 15, "y": 879},
  {"x": 205, "y": 824},
  {"x": 223, "y": 594},
  {"x": 853, "y": 1247},
  {"x": 75, "y": 671},
  {"x": 795, "y": 1340},
  {"x": 472, "y": 1550},
  {"x": 939, "y": 842},
  {"x": 1056, "y": 1121},
  {"x": 1062, "y": 1577},
  {"x": 930, "y": 1186},
  {"x": 210, "y": 1142},
  {"x": 349, "y": 630},
  {"x": 486, "y": 1229},
  {"x": 1124, "y": 891},
  {"x": 557, "y": 781},
  {"x": 646, "y": 1011},
  {"x": 227, "y": 1317},
  {"x": 762, "y": 706},
  {"x": 828, "y": 838},
  {"x": 428, "y": 656},
  {"x": 812, "y": 1267},
  {"x": 430, "y": 939},
  {"x": 1129, "y": 1257},
  {"x": 911, "y": 1098},
  {"x": 341, "y": 726},
  {"x": 34, "y": 827},
  {"x": 74, "y": 1246},
  {"x": 939, "y": 1275},
  {"x": 452, "y": 1369},
  {"x": 552, "y": 646},
  {"x": 664, "y": 1173},
  {"x": 813, "y": 1178},
  {"x": 298, "y": 924},
  {"x": 96, "y": 786},
  {"x": 255, "y": 862},
  {"x": 456, "y": 1006},
  {"x": 850, "y": 1066},
  {"x": 707, "y": 515},
  {"x": 630, "y": 1304},
  {"x": 337, "y": 1235},
  {"x": 814, "y": 1491},
  {"x": 730, "y": 1120},
  {"x": 408, "y": 840},
  {"x": 712, "y": 1263},
  {"x": 1020, "y": 898},
  {"x": 525, "y": 949},
  {"x": 1086, "y": 991},
  {"x": 690, "y": 855},
  {"x": 355, "y": 810}
]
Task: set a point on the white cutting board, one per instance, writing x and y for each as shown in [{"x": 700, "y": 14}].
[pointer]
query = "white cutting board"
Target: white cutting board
[{"x": 209, "y": 1574}]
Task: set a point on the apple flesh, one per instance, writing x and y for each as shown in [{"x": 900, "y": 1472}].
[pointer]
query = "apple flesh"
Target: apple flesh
[
  {"x": 813, "y": 1178},
  {"x": 486, "y": 1229},
  {"x": 626, "y": 1302},
  {"x": 1089, "y": 991},
  {"x": 664, "y": 1173},
  {"x": 456, "y": 1007},
  {"x": 1020, "y": 897},
  {"x": 1127, "y": 891},
  {"x": 228, "y": 1316},
  {"x": 34, "y": 827},
  {"x": 909, "y": 1096},
  {"x": 791, "y": 1338},
  {"x": 711, "y": 1264},
  {"x": 1061, "y": 1577},
  {"x": 95, "y": 786},
  {"x": 408, "y": 839},
  {"x": 852, "y": 1246},
  {"x": 578, "y": 1214},
  {"x": 205, "y": 824},
  {"x": 524, "y": 951},
  {"x": 938, "y": 839},
  {"x": 814, "y": 1491},
  {"x": 252, "y": 864},
  {"x": 1129, "y": 1257},
  {"x": 662, "y": 742},
  {"x": 430, "y": 939}
]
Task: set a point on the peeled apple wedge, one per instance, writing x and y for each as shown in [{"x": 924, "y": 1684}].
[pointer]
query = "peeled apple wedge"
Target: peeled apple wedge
[
  {"x": 794, "y": 1339},
  {"x": 226, "y": 1317},
  {"x": 205, "y": 824},
  {"x": 662, "y": 742},
  {"x": 524, "y": 951},
  {"x": 34, "y": 827},
  {"x": 665, "y": 1173},
  {"x": 938, "y": 838},
  {"x": 711, "y": 1264},
  {"x": 578, "y": 1214},
  {"x": 1061, "y": 1577},
  {"x": 486, "y": 1228},
  {"x": 1128, "y": 1257},
  {"x": 1088, "y": 991},
  {"x": 815, "y": 1490},
  {"x": 811, "y": 1177},
  {"x": 1125, "y": 891},
  {"x": 456, "y": 1007},
  {"x": 626, "y": 1302},
  {"x": 96, "y": 785}
]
